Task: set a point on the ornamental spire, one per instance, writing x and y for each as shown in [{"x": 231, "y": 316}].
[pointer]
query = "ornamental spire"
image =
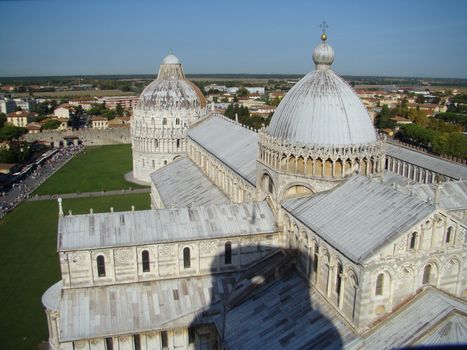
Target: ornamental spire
[{"x": 323, "y": 27}]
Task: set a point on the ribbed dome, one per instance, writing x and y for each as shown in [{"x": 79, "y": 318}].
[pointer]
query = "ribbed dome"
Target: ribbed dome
[
  {"x": 322, "y": 109},
  {"x": 171, "y": 90}
]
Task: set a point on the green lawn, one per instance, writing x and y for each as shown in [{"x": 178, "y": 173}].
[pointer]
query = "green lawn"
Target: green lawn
[
  {"x": 29, "y": 263},
  {"x": 100, "y": 168}
]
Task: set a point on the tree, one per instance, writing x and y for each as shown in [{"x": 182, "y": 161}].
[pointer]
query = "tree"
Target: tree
[
  {"x": 51, "y": 124},
  {"x": 3, "y": 119},
  {"x": 10, "y": 132},
  {"x": 383, "y": 119},
  {"x": 109, "y": 114},
  {"x": 119, "y": 110},
  {"x": 242, "y": 92}
]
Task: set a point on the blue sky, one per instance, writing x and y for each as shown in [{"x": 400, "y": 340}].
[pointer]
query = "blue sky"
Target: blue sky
[{"x": 389, "y": 38}]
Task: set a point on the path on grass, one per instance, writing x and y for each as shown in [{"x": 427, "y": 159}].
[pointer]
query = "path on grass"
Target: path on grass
[{"x": 47, "y": 197}]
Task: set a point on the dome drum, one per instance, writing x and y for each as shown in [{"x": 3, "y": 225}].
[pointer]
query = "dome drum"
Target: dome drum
[{"x": 317, "y": 161}]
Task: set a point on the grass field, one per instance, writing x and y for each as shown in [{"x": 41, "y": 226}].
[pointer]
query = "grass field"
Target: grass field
[
  {"x": 100, "y": 168},
  {"x": 29, "y": 263}
]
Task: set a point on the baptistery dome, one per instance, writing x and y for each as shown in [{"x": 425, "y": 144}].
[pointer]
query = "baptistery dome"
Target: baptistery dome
[
  {"x": 322, "y": 108},
  {"x": 166, "y": 108},
  {"x": 171, "y": 89}
]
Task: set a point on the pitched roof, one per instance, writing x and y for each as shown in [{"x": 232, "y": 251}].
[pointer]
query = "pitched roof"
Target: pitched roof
[
  {"x": 453, "y": 170},
  {"x": 231, "y": 143},
  {"x": 182, "y": 184},
  {"x": 104, "y": 230},
  {"x": 453, "y": 194},
  {"x": 424, "y": 320},
  {"x": 93, "y": 313},
  {"x": 360, "y": 215},
  {"x": 285, "y": 315}
]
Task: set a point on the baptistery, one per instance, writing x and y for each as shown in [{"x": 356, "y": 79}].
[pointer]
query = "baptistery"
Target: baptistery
[{"x": 165, "y": 109}]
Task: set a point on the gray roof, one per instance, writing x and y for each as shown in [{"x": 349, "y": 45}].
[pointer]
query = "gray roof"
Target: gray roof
[
  {"x": 129, "y": 228},
  {"x": 393, "y": 178},
  {"x": 360, "y": 215},
  {"x": 453, "y": 194},
  {"x": 182, "y": 184},
  {"x": 322, "y": 109},
  {"x": 425, "y": 320},
  {"x": 144, "y": 306},
  {"x": 51, "y": 297},
  {"x": 453, "y": 170},
  {"x": 285, "y": 315},
  {"x": 234, "y": 145}
]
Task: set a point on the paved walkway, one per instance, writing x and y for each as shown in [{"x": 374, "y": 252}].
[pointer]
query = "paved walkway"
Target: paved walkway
[
  {"x": 22, "y": 191},
  {"x": 88, "y": 194}
]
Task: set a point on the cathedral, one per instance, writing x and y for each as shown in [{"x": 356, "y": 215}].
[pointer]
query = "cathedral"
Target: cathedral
[{"x": 312, "y": 233}]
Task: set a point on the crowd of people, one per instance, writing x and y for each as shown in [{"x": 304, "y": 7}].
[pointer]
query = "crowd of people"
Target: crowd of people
[{"x": 22, "y": 189}]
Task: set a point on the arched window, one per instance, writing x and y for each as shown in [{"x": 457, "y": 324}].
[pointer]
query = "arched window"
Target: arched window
[
  {"x": 228, "y": 253},
  {"x": 413, "y": 241},
  {"x": 449, "y": 234},
  {"x": 427, "y": 274},
  {"x": 164, "y": 121},
  {"x": 177, "y": 121},
  {"x": 178, "y": 143},
  {"x": 145, "y": 260},
  {"x": 315, "y": 260},
  {"x": 100, "y": 266},
  {"x": 186, "y": 258},
  {"x": 379, "y": 284},
  {"x": 338, "y": 278}
]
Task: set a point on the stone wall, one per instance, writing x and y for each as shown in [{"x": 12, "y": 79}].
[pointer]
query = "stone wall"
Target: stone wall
[
  {"x": 123, "y": 265},
  {"x": 89, "y": 137}
]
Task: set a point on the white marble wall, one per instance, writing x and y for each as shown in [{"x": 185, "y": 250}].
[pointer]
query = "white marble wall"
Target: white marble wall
[
  {"x": 122, "y": 265},
  {"x": 401, "y": 266},
  {"x": 228, "y": 181}
]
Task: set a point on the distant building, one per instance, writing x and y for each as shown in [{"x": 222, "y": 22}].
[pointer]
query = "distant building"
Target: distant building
[
  {"x": 5, "y": 168},
  {"x": 85, "y": 104},
  {"x": 256, "y": 90},
  {"x": 25, "y": 104},
  {"x": 127, "y": 102},
  {"x": 7, "y": 105},
  {"x": 63, "y": 111},
  {"x": 401, "y": 120},
  {"x": 119, "y": 122},
  {"x": 34, "y": 127},
  {"x": 99, "y": 122},
  {"x": 20, "y": 118}
]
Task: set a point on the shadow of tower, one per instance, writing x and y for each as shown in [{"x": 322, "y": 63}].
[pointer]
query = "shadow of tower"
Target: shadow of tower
[{"x": 266, "y": 304}]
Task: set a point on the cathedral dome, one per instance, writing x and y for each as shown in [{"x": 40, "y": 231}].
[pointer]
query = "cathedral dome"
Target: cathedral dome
[
  {"x": 171, "y": 90},
  {"x": 322, "y": 109}
]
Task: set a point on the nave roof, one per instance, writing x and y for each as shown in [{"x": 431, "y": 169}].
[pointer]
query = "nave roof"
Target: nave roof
[
  {"x": 182, "y": 184},
  {"x": 231, "y": 143},
  {"x": 115, "y": 229}
]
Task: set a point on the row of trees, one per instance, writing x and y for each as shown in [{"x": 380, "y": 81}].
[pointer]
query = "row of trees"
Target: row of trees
[
  {"x": 244, "y": 116},
  {"x": 441, "y": 134},
  {"x": 441, "y": 143}
]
